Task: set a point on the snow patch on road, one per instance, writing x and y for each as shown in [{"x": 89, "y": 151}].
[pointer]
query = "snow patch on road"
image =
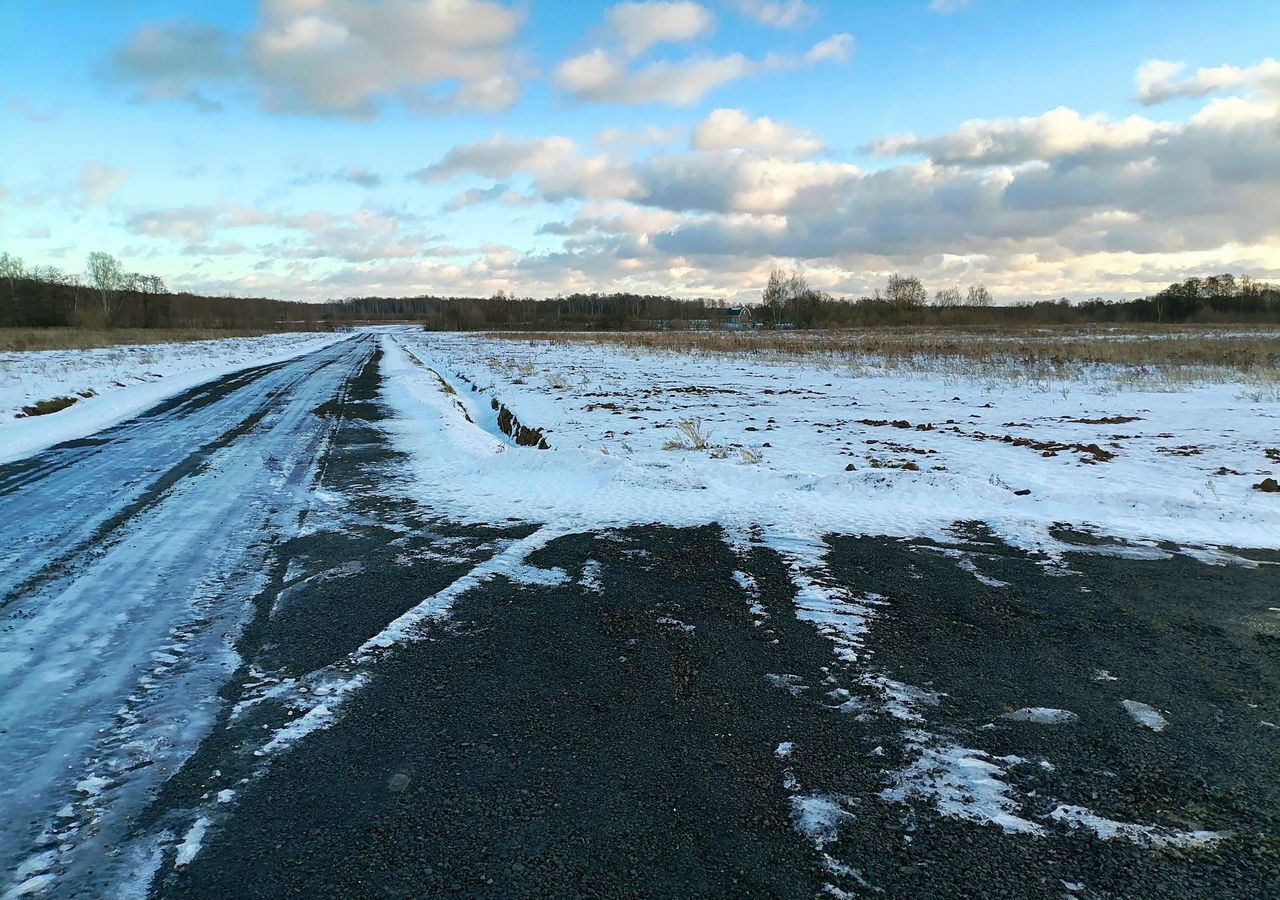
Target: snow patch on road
[
  {"x": 959, "y": 781},
  {"x": 1145, "y": 715},
  {"x": 819, "y": 817},
  {"x": 1154, "y": 836},
  {"x": 1041, "y": 715},
  {"x": 589, "y": 578},
  {"x": 191, "y": 843}
]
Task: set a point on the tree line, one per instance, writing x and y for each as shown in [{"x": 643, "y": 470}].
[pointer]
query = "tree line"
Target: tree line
[{"x": 106, "y": 294}]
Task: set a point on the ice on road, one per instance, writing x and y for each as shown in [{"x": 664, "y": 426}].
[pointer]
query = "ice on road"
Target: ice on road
[{"x": 124, "y": 589}]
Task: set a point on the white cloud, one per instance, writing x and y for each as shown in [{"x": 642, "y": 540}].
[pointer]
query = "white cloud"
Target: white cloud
[
  {"x": 500, "y": 157},
  {"x": 356, "y": 175},
  {"x": 838, "y": 49},
  {"x": 175, "y": 61},
  {"x": 556, "y": 165},
  {"x": 24, "y": 109},
  {"x": 340, "y": 57},
  {"x": 737, "y": 183},
  {"x": 638, "y": 26},
  {"x": 600, "y": 77},
  {"x": 361, "y": 236},
  {"x": 1061, "y": 202},
  {"x": 1058, "y": 133},
  {"x": 98, "y": 183},
  {"x": 946, "y": 7},
  {"x": 776, "y": 13},
  {"x": 627, "y": 140},
  {"x": 726, "y": 129},
  {"x": 499, "y": 193},
  {"x": 359, "y": 177},
  {"x": 1158, "y": 80}
]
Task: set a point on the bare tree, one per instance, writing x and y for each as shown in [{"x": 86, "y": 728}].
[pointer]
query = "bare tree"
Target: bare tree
[
  {"x": 775, "y": 293},
  {"x": 906, "y": 291},
  {"x": 789, "y": 297},
  {"x": 76, "y": 280},
  {"x": 49, "y": 275},
  {"x": 978, "y": 296},
  {"x": 104, "y": 271},
  {"x": 949, "y": 296},
  {"x": 11, "y": 269}
]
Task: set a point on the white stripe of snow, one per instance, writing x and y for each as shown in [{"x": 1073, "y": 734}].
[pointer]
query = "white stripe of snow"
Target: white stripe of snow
[
  {"x": 1154, "y": 836},
  {"x": 190, "y": 845},
  {"x": 509, "y": 561}
]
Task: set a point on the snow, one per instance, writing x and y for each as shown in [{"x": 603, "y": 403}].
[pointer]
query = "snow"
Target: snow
[
  {"x": 901, "y": 701},
  {"x": 124, "y": 380},
  {"x": 1143, "y": 835},
  {"x": 608, "y": 412},
  {"x": 532, "y": 575},
  {"x": 799, "y": 449},
  {"x": 138, "y": 636},
  {"x": 1145, "y": 715},
  {"x": 508, "y": 562},
  {"x": 784, "y": 749},
  {"x": 819, "y": 817},
  {"x": 1041, "y": 715},
  {"x": 92, "y": 785},
  {"x": 960, "y": 782},
  {"x": 318, "y": 717},
  {"x": 190, "y": 845},
  {"x": 589, "y": 579},
  {"x": 31, "y": 886}
]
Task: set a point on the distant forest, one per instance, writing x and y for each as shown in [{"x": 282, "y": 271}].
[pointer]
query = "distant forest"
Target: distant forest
[{"x": 108, "y": 296}]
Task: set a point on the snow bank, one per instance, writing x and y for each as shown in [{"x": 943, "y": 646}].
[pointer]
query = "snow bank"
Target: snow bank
[{"x": 124, "y": 381}]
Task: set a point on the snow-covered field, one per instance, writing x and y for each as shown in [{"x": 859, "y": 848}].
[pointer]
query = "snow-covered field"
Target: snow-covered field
[
  {"x": 114, "y": 383},
  {"x": 806, "y": 448}
]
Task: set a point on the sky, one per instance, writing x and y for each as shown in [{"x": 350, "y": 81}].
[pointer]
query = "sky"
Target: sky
[{"x": 313, "y": 149}]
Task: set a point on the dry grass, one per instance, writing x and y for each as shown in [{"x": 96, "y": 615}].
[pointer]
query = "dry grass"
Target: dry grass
[
  {"x": 22, "y": 339},
  {"x": 47, "y": 407},
  {"x": 692, "y": 437},
  {"x": 1242, "y": 349}
]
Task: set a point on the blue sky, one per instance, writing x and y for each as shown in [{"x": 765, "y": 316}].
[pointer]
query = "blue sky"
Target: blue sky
[{"x": 314, "y": 148}]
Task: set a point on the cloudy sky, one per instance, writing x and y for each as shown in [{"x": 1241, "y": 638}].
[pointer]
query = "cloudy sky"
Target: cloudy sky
[{"x": 319, "y": 148}]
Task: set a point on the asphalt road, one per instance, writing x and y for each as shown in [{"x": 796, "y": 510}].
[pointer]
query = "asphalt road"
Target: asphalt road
[{"x": 196, "y": 700}]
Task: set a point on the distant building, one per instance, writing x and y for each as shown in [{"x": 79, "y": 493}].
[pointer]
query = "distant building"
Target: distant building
[{"x": 737, "y": 317}]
